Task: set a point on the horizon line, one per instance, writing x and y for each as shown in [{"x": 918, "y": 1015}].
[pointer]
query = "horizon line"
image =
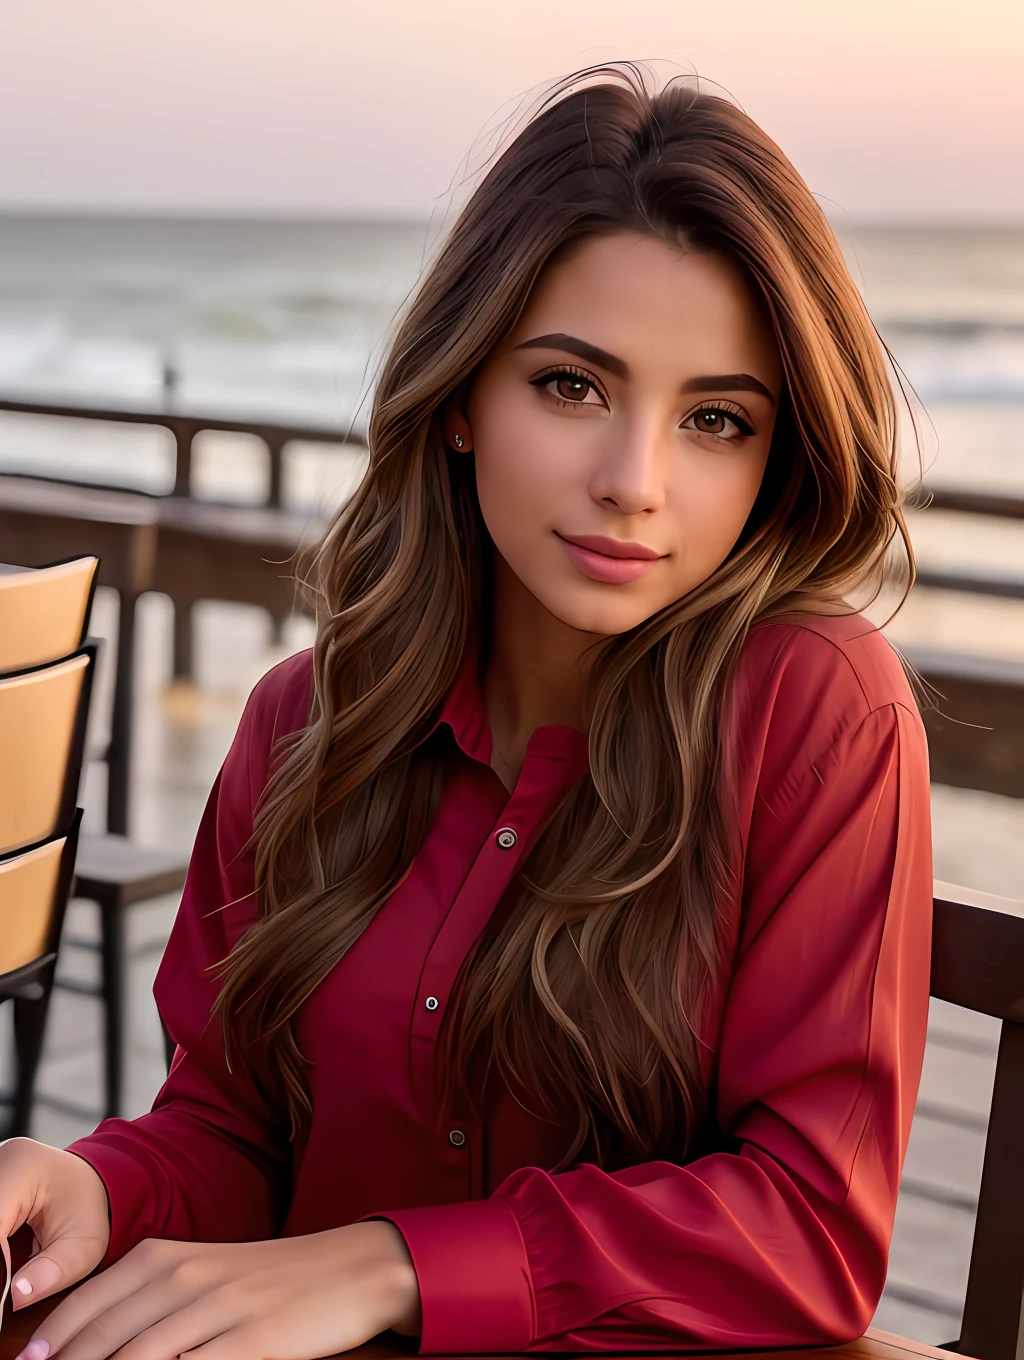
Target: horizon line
[{"x": 194, "y": 214}]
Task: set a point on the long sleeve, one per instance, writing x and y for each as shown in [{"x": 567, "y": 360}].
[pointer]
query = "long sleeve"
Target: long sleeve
[
  {"x": 210, "y": 1162},
  {"x": 782, "y": 1238}
]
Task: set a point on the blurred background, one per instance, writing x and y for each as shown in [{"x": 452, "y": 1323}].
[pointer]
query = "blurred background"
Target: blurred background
[{"x": 209, "y": 213}]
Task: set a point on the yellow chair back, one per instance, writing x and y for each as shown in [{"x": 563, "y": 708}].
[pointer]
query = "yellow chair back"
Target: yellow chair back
[
  {"x": 37, "y": 724},
  {"x": 42, "y": 612},
  {"x": 28, "y": 889}
]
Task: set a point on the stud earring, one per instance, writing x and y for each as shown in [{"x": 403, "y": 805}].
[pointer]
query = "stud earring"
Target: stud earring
[{"x": 458, "y": 441}]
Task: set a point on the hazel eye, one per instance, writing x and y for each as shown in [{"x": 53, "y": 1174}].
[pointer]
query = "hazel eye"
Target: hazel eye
[
  {"x": 721, "y": 424},
  {"x": 569, "y": 388},
  {"x": 711, "y": 422}
]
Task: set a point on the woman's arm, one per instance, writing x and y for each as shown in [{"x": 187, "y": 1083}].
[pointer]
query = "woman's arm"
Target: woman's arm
[
  {"x": 211, "y": 1161},
  {"x": 783, "y": 1239}
]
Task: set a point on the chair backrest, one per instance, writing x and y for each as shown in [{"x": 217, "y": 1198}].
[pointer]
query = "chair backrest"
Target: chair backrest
[
  {"x": 44, "y": 612},
  {"x": 978, "y": 963},
  {"x": 43, "y": 714},
  {"x": 34, "y": 889}
]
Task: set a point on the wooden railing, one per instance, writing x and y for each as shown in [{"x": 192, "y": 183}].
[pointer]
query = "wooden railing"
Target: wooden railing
[{"x": 184, "y": 426}]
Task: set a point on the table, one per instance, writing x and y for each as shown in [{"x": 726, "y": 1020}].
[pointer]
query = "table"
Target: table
[{"x": 18, "y": 1327}]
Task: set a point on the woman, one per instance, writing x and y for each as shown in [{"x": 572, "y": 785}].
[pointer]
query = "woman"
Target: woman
[{"x": 552, "y": 970}]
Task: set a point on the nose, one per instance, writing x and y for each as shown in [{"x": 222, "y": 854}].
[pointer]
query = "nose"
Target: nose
[{"x": 630, "y": 476}]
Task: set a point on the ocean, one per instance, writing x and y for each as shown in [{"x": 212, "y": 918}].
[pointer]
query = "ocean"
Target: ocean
[{"x": 288, "y": 320}]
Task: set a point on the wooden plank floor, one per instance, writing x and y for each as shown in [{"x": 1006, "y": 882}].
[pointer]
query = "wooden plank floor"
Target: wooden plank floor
[{"x": 183, "y": 732}]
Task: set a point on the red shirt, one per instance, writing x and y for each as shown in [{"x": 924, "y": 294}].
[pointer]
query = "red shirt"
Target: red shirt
[{"x": 777, "y": 1232}]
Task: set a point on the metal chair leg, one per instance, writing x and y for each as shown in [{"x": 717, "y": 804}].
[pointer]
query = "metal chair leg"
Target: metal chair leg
[
  {"x": 119, "y": 753},
  {"x": 113, "y": 987},
  {"x": 29, "y": 1031}
]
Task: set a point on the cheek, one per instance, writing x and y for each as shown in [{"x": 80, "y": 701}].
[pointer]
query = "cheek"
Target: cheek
[
  {"x": 524, "y": 470},
  {"x": 713, "y": 497}
]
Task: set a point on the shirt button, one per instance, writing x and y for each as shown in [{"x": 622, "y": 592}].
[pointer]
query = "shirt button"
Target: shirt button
[
  {"x": 431, "y": 1003},
  {"x": 506, "y": 838},
  {"x": 457, "y": 1138}
]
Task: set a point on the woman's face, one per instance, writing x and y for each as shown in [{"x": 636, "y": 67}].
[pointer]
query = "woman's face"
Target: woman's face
[{"x": 621, "y": 431}]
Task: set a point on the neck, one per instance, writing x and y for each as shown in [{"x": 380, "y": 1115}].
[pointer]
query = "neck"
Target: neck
[{"x": 536, "y": 672}]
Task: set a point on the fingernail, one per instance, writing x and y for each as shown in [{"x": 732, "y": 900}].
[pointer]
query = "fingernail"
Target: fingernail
[
  {"x": 46, "y": 1274},
  {"x": 23, "y": 1286},
  {"x": 35, "y": 1350}
]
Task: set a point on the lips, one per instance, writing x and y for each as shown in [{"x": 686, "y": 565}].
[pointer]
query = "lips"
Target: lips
[
  {"x": 611, "y": 547},
  {"x": 609, "y": 560}
]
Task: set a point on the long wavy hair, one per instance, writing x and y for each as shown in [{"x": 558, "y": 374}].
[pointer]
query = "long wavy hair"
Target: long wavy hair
[{"x": 584, "y": 993}]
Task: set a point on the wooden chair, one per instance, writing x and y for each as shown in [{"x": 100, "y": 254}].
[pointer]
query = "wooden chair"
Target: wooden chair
[
  {"x": 110, "y": 870},
  {"x": 43, "y": 719},
  {"x": 34, "y": 888},
  {"x": 976, "y": 741},
  {"x": 978, "y": 963}
]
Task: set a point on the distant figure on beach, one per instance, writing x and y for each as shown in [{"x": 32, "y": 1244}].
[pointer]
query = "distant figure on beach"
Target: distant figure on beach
[
  {"x": 552, "y": 970},
  {"x": 169, "y": 380}
]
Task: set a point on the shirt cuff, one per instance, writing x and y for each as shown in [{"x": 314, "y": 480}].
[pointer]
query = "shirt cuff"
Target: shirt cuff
[
  {"x": 473, "y": 1275},
  {"x": 130, "y": 1187}
]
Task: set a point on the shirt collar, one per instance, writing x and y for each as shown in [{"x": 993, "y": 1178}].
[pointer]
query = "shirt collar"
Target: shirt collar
[{"x": 463, "y": 711}]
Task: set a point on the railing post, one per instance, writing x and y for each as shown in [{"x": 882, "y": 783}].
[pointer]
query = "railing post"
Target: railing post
[
  {"x": 275, "y": 447},
  {"x": 184, "y": 432},
  {"x": 183, "y": 658},
  {"x": 993, "y": 1324}
]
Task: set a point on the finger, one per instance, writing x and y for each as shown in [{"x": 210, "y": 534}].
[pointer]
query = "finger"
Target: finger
[
  {"x": 152, "y": 1317},
  {"x": 248, "y": 1339},
  {"x": 65, "y": 1260},
  {"x": 242, "y": 1343},
  {"x": 195, "y": 1326},
  {"x": 110, "y": 1329},
  {"x": 96, "y": 1296},
  {"x": 17, "y": 1187}
]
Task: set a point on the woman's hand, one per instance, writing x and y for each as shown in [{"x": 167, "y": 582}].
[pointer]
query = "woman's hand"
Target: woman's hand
[
  {"x": 295, "y": 1298},
  {"x": 64, "y": 1202}
]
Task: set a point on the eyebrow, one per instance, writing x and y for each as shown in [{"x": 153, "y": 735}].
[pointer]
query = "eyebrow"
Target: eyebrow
[{"x": 583, "y": 349}]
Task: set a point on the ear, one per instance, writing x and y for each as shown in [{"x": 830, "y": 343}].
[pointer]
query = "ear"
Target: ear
[{"x": 455, "y": 422}]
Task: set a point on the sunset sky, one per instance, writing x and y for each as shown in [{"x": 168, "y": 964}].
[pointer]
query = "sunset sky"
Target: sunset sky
[{"x": 895, "y": 109}]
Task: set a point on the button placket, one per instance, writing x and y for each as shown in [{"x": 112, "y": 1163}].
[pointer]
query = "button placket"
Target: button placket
[{"x": 482, "y": 889}]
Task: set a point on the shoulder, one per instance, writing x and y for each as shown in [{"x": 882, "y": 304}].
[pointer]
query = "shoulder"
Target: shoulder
[
  {"x": 280, "y": 701},
  {"x": 840, "y": 659},
  {"x": 279, "y": 704},
  {"x": 805, "y": 682}
]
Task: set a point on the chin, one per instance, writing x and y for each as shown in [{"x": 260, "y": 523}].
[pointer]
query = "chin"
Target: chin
[{"x": 601, "y": 618}]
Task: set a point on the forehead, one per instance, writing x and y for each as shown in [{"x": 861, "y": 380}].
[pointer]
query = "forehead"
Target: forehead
[{"x": 655, "y": 305}]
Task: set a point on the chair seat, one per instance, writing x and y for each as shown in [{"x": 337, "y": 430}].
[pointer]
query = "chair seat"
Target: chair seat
[{"x": 112, "y": 869}]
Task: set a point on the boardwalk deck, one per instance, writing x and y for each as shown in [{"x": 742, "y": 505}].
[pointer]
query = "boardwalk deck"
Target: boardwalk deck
[{"x": 182, "y": 736}]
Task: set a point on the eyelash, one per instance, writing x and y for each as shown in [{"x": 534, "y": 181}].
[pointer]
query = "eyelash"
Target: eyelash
[{"x": 725, "y": 408}]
